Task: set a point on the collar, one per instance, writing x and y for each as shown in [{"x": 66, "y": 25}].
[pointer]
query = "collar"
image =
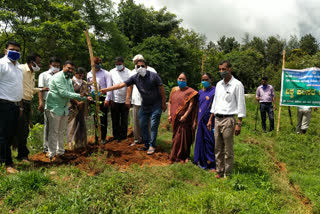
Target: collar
[
  {"x": 9, "y": 61},
  {"x": 230, "y": 81}
]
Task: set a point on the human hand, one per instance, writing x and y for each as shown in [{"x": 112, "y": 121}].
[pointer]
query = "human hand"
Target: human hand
[
  {"x": 89, "y": 99},
  {"x": 45, "y": 89},
  {"x": 169, "y": 119},
  {"x": 183, "y": 118},
  {"x": 274, "y": 107},
  {"x": 41, "y": 107},
  {"x": 164, "y": 107},
  {"x": 237, "y": 130},
  {"x": 106, "y": 104},
  {"x": 128, "y": 104},
  {"x": 104, "y": 90},
  {"x": 209, "y": 125}
]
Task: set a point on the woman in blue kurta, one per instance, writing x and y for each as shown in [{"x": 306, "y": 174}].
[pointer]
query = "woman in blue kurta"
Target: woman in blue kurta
[{"x": 204, "y": 146}]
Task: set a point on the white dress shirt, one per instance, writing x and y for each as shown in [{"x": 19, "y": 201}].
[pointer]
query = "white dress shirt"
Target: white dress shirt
[
  {"x": 11, "y": 80},
  {"x": 43, "y": 81},
  {"x": 229, "y": 98},
  {"x": 136, "y": 98},
  {"x": 119, "y": 96}
]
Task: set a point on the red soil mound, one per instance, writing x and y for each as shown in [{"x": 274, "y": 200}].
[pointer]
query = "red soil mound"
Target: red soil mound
[{"x": 120, "y": 154}]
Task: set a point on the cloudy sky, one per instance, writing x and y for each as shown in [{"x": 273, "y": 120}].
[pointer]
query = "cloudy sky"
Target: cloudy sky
[{"x": 215, "y": 18}]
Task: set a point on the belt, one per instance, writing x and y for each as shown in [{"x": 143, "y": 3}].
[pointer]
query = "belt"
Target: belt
[
  {"x": 10, "y": 102},
  {"x": 266, "y": 103},
  {"x": 224, "y": 115},
  {"x": 26, "y": 101}
]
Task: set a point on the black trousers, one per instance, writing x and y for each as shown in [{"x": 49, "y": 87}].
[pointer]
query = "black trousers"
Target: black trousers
[
  {"x": 9, "y": 113},
  {"x": 119, "y": 115},
  {"x": 22, "y": 132},
  {"x": 264, "y": 109},
  {"x": 103, "y": 120}
]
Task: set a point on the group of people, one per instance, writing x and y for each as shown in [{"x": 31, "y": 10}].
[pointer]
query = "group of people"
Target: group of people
[{"x": 215, "y": 112}]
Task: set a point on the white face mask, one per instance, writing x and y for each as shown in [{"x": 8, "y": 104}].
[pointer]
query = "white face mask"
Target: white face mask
[
  {"x": 54, "y": 69},
  {"x": 78, "y": 81},
  {"x": 119, "y": 67},
  {"x": 35, "y": 67},
  {"x": 142, "y": 71}
]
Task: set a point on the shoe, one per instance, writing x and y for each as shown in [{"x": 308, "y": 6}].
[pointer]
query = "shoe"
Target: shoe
[
  {"x": 24, "y": 159},
  {"x": 218, "y": 176},
  {"x": 103, "y": 142},
  {"x": 55, "y": 159},
  {"x": 133, "y": 144},
  {"x": 151, "y": 150},
  {"x": 11, "y": 170},
  {"x": 143, "y": 148}
]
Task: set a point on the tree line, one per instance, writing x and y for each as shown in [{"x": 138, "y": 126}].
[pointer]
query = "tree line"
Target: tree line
[{"x": 55, "y": 28}]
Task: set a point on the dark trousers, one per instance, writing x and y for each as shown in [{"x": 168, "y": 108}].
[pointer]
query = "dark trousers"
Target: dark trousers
[
  {"x": 264, "y": 109},
  {"x": 103, "y": 120},
  {"x": 22, "y": 131},
  {"x": 119, "y": 115},
  {"x": 9, "y": 114}
]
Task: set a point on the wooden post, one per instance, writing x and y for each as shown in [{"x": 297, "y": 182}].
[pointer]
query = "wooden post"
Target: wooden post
[
  {"x": 279, "y": 114},
  {"x": 93, "y": 68}
]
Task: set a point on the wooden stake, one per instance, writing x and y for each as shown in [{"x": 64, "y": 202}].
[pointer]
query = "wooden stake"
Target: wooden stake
[
  {"x": 279, "y": 114},
  {"x": 93, "y": 68}
]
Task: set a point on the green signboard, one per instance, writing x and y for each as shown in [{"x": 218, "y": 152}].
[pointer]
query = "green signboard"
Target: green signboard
[{"x": 300, "y": 87}]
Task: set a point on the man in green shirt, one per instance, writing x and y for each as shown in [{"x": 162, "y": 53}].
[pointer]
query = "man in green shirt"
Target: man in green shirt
[{"x": 56, "y": 109}]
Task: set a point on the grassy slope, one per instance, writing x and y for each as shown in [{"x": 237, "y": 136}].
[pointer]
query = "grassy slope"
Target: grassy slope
[{"x": 258, "y": 186}]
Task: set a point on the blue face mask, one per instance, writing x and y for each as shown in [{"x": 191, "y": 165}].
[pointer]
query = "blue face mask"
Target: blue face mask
[
  {"x": 13, "y": 55},
  {"x": 205, "y": 84},
  {"x": 182, "y": 84}
]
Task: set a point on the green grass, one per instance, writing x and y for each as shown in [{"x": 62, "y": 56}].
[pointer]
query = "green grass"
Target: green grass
[{"x": 257, "y": 185}]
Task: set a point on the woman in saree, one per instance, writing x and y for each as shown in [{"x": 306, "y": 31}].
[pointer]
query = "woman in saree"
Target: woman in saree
[
  {"x": 182, "y": 111},
  {"x": 77, "y": 131},
  {"x": 204, "y": 146}
]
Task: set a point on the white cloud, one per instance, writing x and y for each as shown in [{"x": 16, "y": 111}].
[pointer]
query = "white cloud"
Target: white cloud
[{"x": 263, "y": 18}]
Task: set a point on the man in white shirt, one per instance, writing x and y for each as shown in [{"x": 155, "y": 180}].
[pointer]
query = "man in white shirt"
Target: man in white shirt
[
  {"x": 119, "y": 110},
  {"x": 103, "y": 79},
  {"x": 11, "y": 91},
  {"x": 43, "y": 82},
  {"x": 134, "y": 98},
  {"x": 229, "y": 101}
]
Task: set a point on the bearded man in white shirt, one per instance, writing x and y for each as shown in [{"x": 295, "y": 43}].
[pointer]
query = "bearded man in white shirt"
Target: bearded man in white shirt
[
  {"x": 119, "y": 110},
  {"x": 228, "y": 102}
]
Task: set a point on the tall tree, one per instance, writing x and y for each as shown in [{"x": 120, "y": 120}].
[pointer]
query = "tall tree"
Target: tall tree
[
  {"x": 274, "y": 49},
  {"x": 227, "y": 44},
  {"x": 309, "y": 44}
]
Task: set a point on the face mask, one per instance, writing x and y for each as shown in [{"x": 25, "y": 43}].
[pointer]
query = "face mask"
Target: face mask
[
  {"x": 205, "y": 84},
  {"x": 119, "y": 67},
  {"x": 224, "y": 74},
  {"x": 142, "y": 71},
  {"x": 182, "y": 84},
  {"x": 35, "y": 68},
  {"x": 98, "y": 66},
  {"x": 13, "y": 55},
  {"x": 54, "y": 69},
  {"x": 264, "y": 87},
  {"x": 68, "y": 75}
]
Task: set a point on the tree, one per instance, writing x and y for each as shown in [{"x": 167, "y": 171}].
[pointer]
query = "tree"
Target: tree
[
  {"x": 292, "y": 44},
  {"x": 309, "y": 44},
  {"x": 274, "y": 49},
  {"x": 227, "y": 44}
]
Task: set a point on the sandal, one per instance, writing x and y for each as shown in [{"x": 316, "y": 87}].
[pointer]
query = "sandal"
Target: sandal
[{"x": 151, "y": 151}]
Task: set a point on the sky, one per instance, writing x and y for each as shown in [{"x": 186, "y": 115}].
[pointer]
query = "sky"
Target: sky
[{"x": 234, "y": 18}]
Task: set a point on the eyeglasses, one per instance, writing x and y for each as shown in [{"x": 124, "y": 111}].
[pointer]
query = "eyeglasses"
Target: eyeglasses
[{"x": 138, "y": 66}]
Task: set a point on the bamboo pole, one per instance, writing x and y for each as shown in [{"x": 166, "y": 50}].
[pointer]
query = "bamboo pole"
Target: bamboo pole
[
  {"x": 93, "y": 68},
  {"x": 279, "y": 114}
]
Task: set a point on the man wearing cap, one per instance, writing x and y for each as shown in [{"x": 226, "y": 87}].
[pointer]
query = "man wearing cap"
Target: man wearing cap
[
  {"x": 103, "y": 81},
  {"x": 11, "y": 92},
  {"x": 134, "y": 98}
]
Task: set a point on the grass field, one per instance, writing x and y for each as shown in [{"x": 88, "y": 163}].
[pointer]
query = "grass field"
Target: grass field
[{"x": 272, "y": 174}]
